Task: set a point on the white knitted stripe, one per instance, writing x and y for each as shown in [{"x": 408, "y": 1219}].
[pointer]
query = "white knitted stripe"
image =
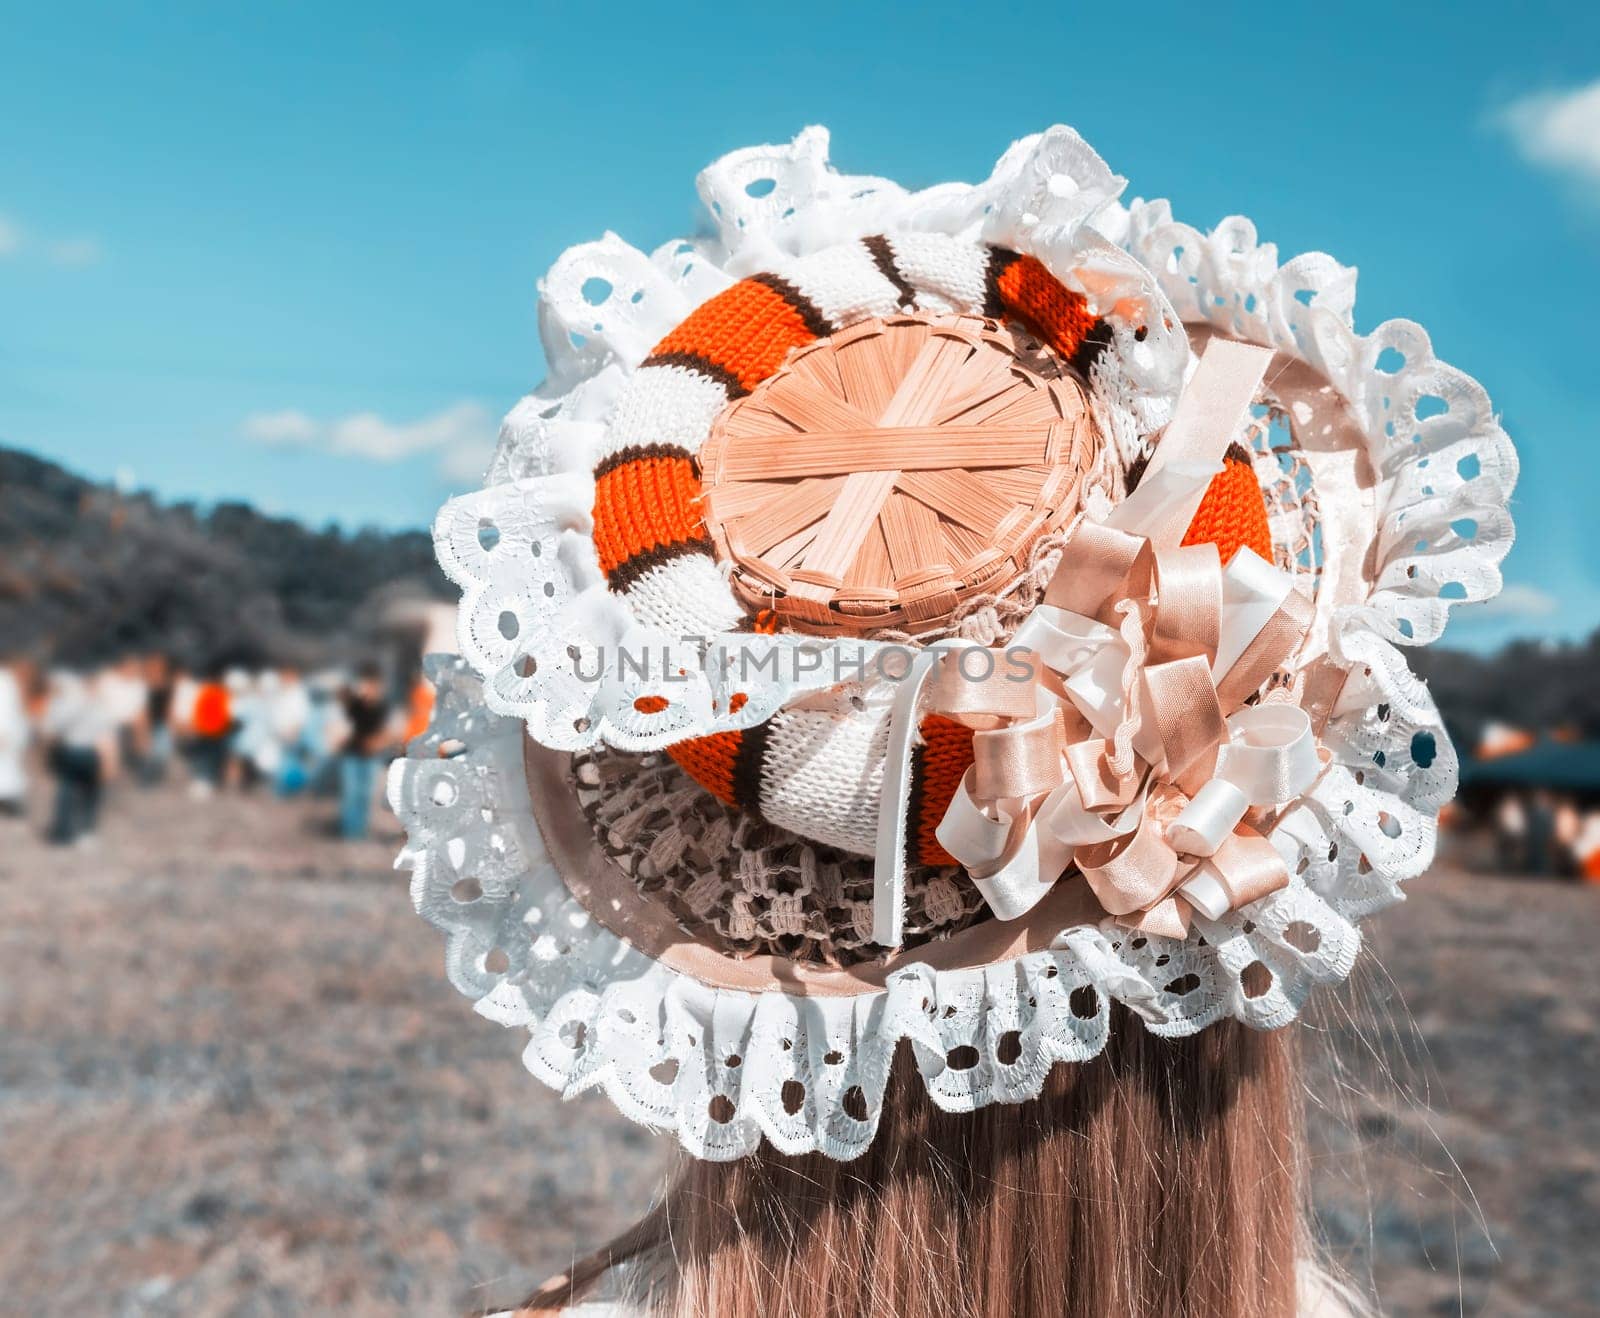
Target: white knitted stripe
[
  {"x": 664, "y": 405},
  {"x": 952, "y": 268},
  {"x": 823, "y": 775},
  {"x": 844, "y": 284},
  {"x": 686, "y": 596}
]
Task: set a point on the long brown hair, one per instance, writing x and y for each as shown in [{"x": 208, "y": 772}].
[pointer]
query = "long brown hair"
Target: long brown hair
[{"x": 1165, "y": 1178}]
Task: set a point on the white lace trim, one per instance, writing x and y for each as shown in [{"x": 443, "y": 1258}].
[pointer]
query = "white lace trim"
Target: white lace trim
[
  {"x": 1446, "y": 467},
  {"x": 1446, "y": 471},
  {"x": 724, "y": 1068},
  {"x": 676, "y": 1055}
]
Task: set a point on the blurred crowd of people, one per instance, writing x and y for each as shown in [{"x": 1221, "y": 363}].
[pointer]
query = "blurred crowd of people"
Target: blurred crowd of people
[
  {"x": 145, "y": 720},
  {"x": 1543, "y": 833}
]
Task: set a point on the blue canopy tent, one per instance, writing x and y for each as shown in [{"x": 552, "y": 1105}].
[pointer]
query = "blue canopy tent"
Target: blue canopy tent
[{"x": 1560, "y": 766}]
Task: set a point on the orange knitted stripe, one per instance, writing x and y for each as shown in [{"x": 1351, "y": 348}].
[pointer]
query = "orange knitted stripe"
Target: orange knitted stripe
[
  {"x": 1232, "y": 514},
  {"x": 745, "y": 331},
  {"x": 644, "y": 503},
  {"x": 1052, "y": 311},
  {"x": 709, "y": 761},
  {"x": 945, "y": 754}
]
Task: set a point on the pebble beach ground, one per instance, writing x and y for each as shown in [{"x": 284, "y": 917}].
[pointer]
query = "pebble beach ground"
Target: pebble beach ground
[{"x": 234, "y": 1081}]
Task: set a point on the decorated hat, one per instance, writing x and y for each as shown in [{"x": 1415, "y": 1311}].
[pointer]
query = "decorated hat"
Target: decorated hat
[{"x": 933, "y": 617}]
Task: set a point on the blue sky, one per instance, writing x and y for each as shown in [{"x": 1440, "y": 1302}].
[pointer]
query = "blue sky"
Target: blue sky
[{"x": 213, "y": 213}]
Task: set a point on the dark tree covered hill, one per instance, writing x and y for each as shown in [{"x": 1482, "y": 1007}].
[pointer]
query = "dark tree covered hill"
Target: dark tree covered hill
[{"x": 87, "y": 573}]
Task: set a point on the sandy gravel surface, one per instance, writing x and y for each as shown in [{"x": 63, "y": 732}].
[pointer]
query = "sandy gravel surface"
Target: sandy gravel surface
[{"x": 234, "y": 1081}]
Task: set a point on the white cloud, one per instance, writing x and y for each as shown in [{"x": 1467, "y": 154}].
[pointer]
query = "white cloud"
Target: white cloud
[
  {"x": 1515, "y": 601},
  {"x": 461, "y": 435},
  {"x": 1558, "y": 130},
  {"x": 281, "y": 429},
  {"x": 74, "y": 253}
]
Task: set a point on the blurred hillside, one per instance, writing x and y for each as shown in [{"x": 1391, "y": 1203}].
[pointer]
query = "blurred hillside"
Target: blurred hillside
[{"x": 87, "y": 573}]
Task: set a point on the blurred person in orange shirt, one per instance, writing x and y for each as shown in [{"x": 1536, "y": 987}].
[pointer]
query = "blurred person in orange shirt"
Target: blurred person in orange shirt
[
  {"x": 211, "y": 722},
  {"x": 420, "y": 709}
]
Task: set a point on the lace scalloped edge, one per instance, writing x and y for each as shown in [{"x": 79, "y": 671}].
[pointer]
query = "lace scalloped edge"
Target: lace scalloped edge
[{"x": 722, "y": 1069}]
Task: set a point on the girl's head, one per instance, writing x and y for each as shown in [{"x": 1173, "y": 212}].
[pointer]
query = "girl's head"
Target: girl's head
[{"x": 1005, "y": 958}]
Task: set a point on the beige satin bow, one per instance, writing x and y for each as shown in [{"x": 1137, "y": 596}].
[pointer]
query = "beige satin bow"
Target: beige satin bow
[{"x": 1128, "y": 751}]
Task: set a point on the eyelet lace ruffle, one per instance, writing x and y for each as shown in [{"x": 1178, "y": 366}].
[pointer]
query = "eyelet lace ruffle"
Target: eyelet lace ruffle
[{"x": 722, "y": 1068}]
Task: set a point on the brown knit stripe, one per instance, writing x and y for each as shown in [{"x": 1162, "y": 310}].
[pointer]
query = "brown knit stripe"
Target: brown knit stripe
[
  {"x": 919, "y": 774},
  {"x": 701, "y": 365},
  {"x": 746, "y": 330},
  {"x": 882, "y": 254},
  {"x": 1001, "y": 259},
  {"x": 803, "y": 306},
  {"x": 623, "y": 576},
  {"x": 747, "y": 767},
  {"x": 1096, "y": 341},
  {"x": 1136, "y": 470},
  {"x": 637, "y": 453}
]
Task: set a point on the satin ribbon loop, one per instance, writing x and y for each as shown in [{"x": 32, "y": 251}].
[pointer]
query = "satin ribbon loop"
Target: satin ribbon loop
[
  {"x": 1099, "y": 787},
  {"x": 1105, "y": 563},
  {"x": 1182, "y": 703},
  {"x": 1268, "y": 649},
  {"x": 1132, "y": 872},
  {"x": 1020, "y": 761},
  {"x": 1060, "y": 639},
  {"x": 1188, "y": 611},
  {"x": 1211, "y": 815},
  {"x": 1167, "y": 918},
  {"x": 981, "y": 833},
  {"x": 1245, "y": 869},
  {"x": 1271, "y": 753}
]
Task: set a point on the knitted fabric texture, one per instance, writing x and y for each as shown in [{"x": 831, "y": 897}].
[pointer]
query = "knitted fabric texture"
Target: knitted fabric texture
[
  {"x": 648, "y": 525},
  {"x": 1233, "y": 513}
]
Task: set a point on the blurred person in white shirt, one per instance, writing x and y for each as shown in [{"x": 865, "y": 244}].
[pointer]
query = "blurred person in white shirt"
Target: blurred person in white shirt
[
  {"x": 14, "y": 736},
  {"x": 122, "y": 695},
  {"x": 288, "y": 711},
  {"x": 78, "y": 732}
]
